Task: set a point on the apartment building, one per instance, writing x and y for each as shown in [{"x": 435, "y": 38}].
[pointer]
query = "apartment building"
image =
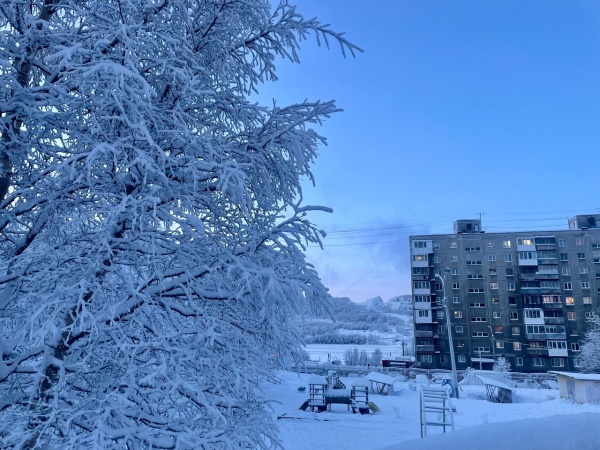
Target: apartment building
[{"x": 523, "y": 295}]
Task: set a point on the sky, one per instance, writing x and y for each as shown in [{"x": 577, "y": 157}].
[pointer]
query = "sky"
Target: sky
[{"x": 455, "y": 110}]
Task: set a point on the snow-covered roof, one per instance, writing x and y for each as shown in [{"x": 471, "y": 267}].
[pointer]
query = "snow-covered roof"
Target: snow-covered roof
[
  {"x": 579, "y": 376},
  {"x": 380, "y": 378},
  {"x": 492, "y": 382}
]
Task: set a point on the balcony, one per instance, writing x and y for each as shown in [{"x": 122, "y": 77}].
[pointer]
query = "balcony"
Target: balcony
[
  {"x": 537, "y": 351},
  {"x": 536, "y": 336},
  {"x": 562, "y": 336},
  {"x": 552, "y": 305},
  {"x": 425, "y": 348},
  {"x": 546, "y": 276},
  {"x": 421, "y": 277},
  {"x": 554, "y": 320},
  {"x": 541, "y": 247},
  {"x": 527, "y": 277},
  {"x": 421, "y": 333},
  {"x": 558, "y": 352}
]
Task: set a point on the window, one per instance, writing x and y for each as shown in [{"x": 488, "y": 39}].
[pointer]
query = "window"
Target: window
[
  {"x": 561, "y": 345},
  {"x": 477, "y": 305},
  {"x": 533, "y": 314},
  {"x": 538, "y": 362},
  {"x": 438, "y": 286},
  {"x": 511, "y": 286},
  {"x": 458, "y": 328},
  {"x": 420, "y": 258},
  {"x": 472, "y": 249},
  {"x": 522, "y": 241},
  {"x": 473, "y": 263},
  {"x": 506, "y": 244},
  {"x": 478, "y": 319},
  {"x": 496, "y": 315},
  {"x": 509, "y": 272},
  {"x": 493, "y": 285},
  {"x": 420, "y": 244},
  {"x": 568, "y": 286},
  {"x": 581, "y": 255},
  {"x": 425, "y": 358},
  {"x": 569, "y": 301},
  {"x": 495, "y": 299},
  {"x": 475, "y": 276},
  {"x": 460, "y": 343},
  {"x": 575, "y": 347},
  {"x": 561, "y": 243},
  {"x": 453, "y": 245},
  {"x": 499, "y": 344},
  {"x": 571, "y": 315},
  {"x": 477, "y": 334},
  {"x": 515, "y": 330},
  {"x": 579, "y": 241},
  {"x": 589, "y": 315},
  {"x": 423, "y": 312},
  {"x": 455, "y": 285},
  {"x": 566, "y": 271},
  {"x": 422, "y": 299},
  {"x": 454, "y": 271},
  {"x": 512, "y": 300},
  {"x": 454, "y": 258},
  {"x": 519, "y": 361},
  {"x": 583, "y": 270},
  {"x": 491, "y": 244},
  {"x": 564, "y": 257},
  {"x": 493, "y": 272},
  {"x": 422, "y": 285},
  {"x": 535, "y": 329},
  {"x": 462, "y": 358},
  {"x": 457, "y": 314},
  {"x": 440, "y": 314},
  {"x": 587, "y": 300},
  {"x": 455, "y": 299},
  {"x": 585, "y": 285},
  {"x": 436, "y": 245},
  {"x": 514, "y": 315},
  {"x": 442, "y": 359},
  {"x": 498, "y": 329},
  {"x": 476, "y": 290},
  {"x": 557, "y": 362},
  {"x": 507, "y": 258},
  {"x": 517, "y": 346},
  {"x": 491, "y": 257},
  {"x": 437, "y": 259}
]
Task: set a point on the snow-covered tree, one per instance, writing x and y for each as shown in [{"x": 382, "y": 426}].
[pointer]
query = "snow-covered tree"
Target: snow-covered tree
[
  {"x": 501, "y": 365},
  {"x": 376, "y": 357},
  {"x": 151, "y": 220},
  {"x": 352, "y": 357},
  {"x": 589, "y": 358}
]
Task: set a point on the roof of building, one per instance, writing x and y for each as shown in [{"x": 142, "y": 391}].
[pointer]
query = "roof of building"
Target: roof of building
[{"x": 579, "y": 376}]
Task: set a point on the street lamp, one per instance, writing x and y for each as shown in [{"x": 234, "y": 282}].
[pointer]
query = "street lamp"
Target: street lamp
[
  {"x": 493, "y": 343},
  {"x": 449, "y": 326}
]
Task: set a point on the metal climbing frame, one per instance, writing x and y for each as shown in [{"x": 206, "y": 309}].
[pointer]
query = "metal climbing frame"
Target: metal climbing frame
[{"x": 436, "y": 409}]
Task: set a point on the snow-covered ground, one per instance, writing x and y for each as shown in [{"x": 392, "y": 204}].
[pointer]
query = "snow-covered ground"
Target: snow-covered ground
[
  {"x": 321, "y": 352},
  {"x": 478, "y": 422}
]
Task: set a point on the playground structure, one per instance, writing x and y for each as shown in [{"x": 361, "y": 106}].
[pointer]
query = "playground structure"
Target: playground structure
[
  {"x": 436, "y": 409},
  {"x": 325, "y": 391}
]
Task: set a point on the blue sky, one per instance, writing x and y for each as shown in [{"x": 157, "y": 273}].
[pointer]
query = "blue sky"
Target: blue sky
[{"x": 454, "y": 109}]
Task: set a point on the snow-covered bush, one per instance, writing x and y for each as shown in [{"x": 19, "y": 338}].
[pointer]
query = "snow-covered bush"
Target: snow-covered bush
[
  {"x": 501, "y": 365},
  {"x": 151, "y": 220}
]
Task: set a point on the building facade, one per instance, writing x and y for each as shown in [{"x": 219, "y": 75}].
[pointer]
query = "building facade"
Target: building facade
[{"x": 524, "y": 296}]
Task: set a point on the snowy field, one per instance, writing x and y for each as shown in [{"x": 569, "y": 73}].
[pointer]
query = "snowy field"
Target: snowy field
[{"x": 540, "y": 419}]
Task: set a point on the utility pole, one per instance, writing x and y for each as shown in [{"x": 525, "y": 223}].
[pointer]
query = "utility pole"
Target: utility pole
[
  {"x": 449, "y": 326},
  {"x": 403, "y": 344},
  {"x": 493, "y": 343}
]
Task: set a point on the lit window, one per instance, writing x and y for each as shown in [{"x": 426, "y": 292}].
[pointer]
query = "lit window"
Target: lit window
[
  {"x": 457, "y": 314},
  {"x": 516, "y": 345},
  {"x": 498, "y": 329},
  {"x": 569, "y": 301},
  {"x": 506, "y": 244},
  {"x": 587, "y": 300}
]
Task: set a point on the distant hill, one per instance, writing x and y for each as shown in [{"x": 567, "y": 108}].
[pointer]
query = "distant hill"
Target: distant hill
[{"x": 373, "y": 303}]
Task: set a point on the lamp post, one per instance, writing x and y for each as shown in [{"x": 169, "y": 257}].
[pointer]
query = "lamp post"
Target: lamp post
[
  {"x": 449, "y": 326},
  {"x": 493, "y": 343}
]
